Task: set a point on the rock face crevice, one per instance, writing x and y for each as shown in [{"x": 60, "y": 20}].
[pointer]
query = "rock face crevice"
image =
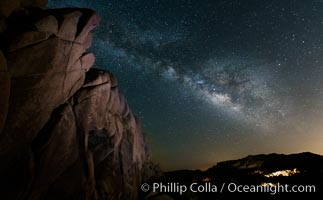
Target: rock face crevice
[{"x": 66, "y": 131}]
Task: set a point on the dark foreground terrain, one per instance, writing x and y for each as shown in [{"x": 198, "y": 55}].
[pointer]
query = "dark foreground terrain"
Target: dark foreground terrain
[{"x": 273, "y": 176}]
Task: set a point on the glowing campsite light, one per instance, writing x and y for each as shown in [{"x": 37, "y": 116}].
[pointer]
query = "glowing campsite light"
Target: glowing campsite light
[{"x": 286, "y": 172}]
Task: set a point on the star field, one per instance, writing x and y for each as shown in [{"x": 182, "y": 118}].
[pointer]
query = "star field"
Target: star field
[{"x": 216, "y": 80}]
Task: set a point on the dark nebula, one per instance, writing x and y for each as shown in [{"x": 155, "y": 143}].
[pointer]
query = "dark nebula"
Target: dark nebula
[{"x": 216, "y": 80}]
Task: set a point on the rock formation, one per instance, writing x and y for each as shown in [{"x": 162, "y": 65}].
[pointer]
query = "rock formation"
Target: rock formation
[{"x": 66, "y": 131}]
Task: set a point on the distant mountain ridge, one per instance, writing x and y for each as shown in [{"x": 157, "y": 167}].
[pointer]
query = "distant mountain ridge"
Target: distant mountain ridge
[
  {"x": 299, "y": 169},
  {"x": 272, "y": 161}
]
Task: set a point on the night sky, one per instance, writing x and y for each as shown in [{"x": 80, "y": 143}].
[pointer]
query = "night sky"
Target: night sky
[{"x": 216, "y": 80}]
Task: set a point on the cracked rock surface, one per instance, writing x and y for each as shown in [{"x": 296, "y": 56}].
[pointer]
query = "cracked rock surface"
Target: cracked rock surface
[{"x": 66, "y": 131}]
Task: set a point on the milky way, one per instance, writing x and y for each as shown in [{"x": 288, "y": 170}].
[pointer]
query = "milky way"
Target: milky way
[{"x": 216, "y": 80}]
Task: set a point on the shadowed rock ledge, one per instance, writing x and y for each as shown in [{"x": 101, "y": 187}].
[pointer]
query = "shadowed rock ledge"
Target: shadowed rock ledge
[{"x": 66, "y": 132}]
